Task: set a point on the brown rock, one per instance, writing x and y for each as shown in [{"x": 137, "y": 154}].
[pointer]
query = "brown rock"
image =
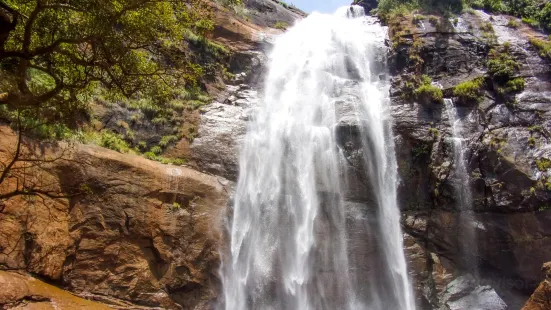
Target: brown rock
[
  {"x": 20, "y": 291},
  {"x": 547, "y": 270},
  {"x": 138, "y": 231},
  {"x": 34, "y": 234},
  {"x": 541, "y": 299}
]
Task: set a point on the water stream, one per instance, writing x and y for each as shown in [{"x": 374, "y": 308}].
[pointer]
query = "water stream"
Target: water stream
[
  {"x": 294, "y": 237},
  {"x": 467, "y": 220}
]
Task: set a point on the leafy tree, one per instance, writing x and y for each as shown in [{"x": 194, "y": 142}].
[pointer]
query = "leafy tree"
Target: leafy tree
[
  {"x": 56, "y": 54},
  {"x": 59, "y": 50}
]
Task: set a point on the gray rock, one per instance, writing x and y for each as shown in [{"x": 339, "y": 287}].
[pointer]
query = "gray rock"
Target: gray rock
[
  {"x": 463, "y": 293},
  {"x": 269, "y": 12},
  {"x": 221, "y": 132}
]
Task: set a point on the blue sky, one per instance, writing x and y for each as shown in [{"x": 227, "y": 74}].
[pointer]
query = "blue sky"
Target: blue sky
[{"x": 324, "y": 6}]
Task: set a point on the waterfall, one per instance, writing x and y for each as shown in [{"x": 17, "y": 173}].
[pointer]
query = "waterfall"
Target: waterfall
[
  {"x": 467, "y": 221},
  {"x": 292, "y": 225}
]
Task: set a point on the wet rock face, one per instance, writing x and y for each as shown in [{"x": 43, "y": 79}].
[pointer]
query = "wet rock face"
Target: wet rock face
[
  {"x": 223, "y": 123},
  {"x": 506, "y": 149},
  {"x": 464, "y": 293}
]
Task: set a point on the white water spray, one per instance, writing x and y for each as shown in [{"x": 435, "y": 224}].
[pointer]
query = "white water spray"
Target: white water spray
[{"x": 290, "y": 227}]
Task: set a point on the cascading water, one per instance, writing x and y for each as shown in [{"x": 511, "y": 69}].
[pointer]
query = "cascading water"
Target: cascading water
[
  {"x": 290, "y": 226},
  {"x": 467, "y": 220}
]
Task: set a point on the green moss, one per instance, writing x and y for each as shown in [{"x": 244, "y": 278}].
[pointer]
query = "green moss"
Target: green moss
[
  {"x": 157, "y": 150},
  {"x": 531, "y": 21},
  {"x": 502, "y": 66},
  {"x": 434, "y": 132},
  {"x": 543, "y": 164},
  {"x": 281, "y": 25},
  {"x": 486, "y": 27},
  {"x": 502, "y": 71},
  {"x": 444, "y": 7},
  {"x": 469, "y": 91},
  {"x": 163, "y": 160},
  {"x": 190, "y": 134},
  {"x": 414, "y": 54},
  {"x": 496, "y": 143},
  {"x": 418, "y": 17},
  {"x": 512, "y": 23},
  {"x": 421, "y": 149},
  {"x": 532, "y": 142},
  {"x": 536, "y": 128},
  {"x": 488, "y": 33},
  {"x": 167, "y": 140},
  {"x": 150, "y": 155},
  {"x": 218, "y": 51},
  {"x": 543, "y": 47},
  {"x": 515, "y": 85},
  {"x": 428, "y": 92},
  {"x": 113, "y": 141}
]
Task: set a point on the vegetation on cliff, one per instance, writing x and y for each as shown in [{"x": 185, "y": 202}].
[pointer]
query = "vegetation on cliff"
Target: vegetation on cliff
[
  {"x": 57, "y": 58},
  {"x": 543, "y": 47},
  {"x": 469, "y": 91},
  {"x": 534, "y": 12}
]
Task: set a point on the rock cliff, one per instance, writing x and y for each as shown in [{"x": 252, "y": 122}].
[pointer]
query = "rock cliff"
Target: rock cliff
[
  {"x": 138, "y": 231},
  {"x": 505, "y": 142}
]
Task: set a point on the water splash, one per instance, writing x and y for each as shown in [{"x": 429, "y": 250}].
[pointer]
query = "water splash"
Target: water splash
[{"x": 290, "y": 228}]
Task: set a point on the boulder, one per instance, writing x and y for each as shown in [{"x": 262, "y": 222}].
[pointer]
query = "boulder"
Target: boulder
[
  {"x": 464, "y": 293},
  {"x": 541, "y": 298}
]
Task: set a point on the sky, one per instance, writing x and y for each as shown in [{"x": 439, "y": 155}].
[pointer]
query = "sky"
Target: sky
[{"x": 324, "y": 6}]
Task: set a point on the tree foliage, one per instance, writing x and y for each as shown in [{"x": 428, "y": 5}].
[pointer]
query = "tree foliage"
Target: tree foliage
[
  {"x": 535, "y": 12},
  {"x": 56, "y": 53}
]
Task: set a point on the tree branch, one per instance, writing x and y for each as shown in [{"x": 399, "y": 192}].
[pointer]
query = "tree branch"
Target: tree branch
[
  {"x": 16, "y": 154},
  {"x": 8, "y": 8},
  {"x": 36, "y": 192},
  {"x": 29, "y": 26},
  {"x": 52, "y": 48}
]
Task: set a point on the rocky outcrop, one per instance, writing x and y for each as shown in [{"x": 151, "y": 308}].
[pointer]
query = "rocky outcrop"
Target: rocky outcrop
[
  {"x": 464, "y": 293},
  {"x": 138, "y": 230},
  {"x": 268, "y": 13},
  {"x": 224, "y": 122},
  {"x": 505, "y": 140},
  {"x": 368, "y": 5},
  {"x": 541, "y": 299}
]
